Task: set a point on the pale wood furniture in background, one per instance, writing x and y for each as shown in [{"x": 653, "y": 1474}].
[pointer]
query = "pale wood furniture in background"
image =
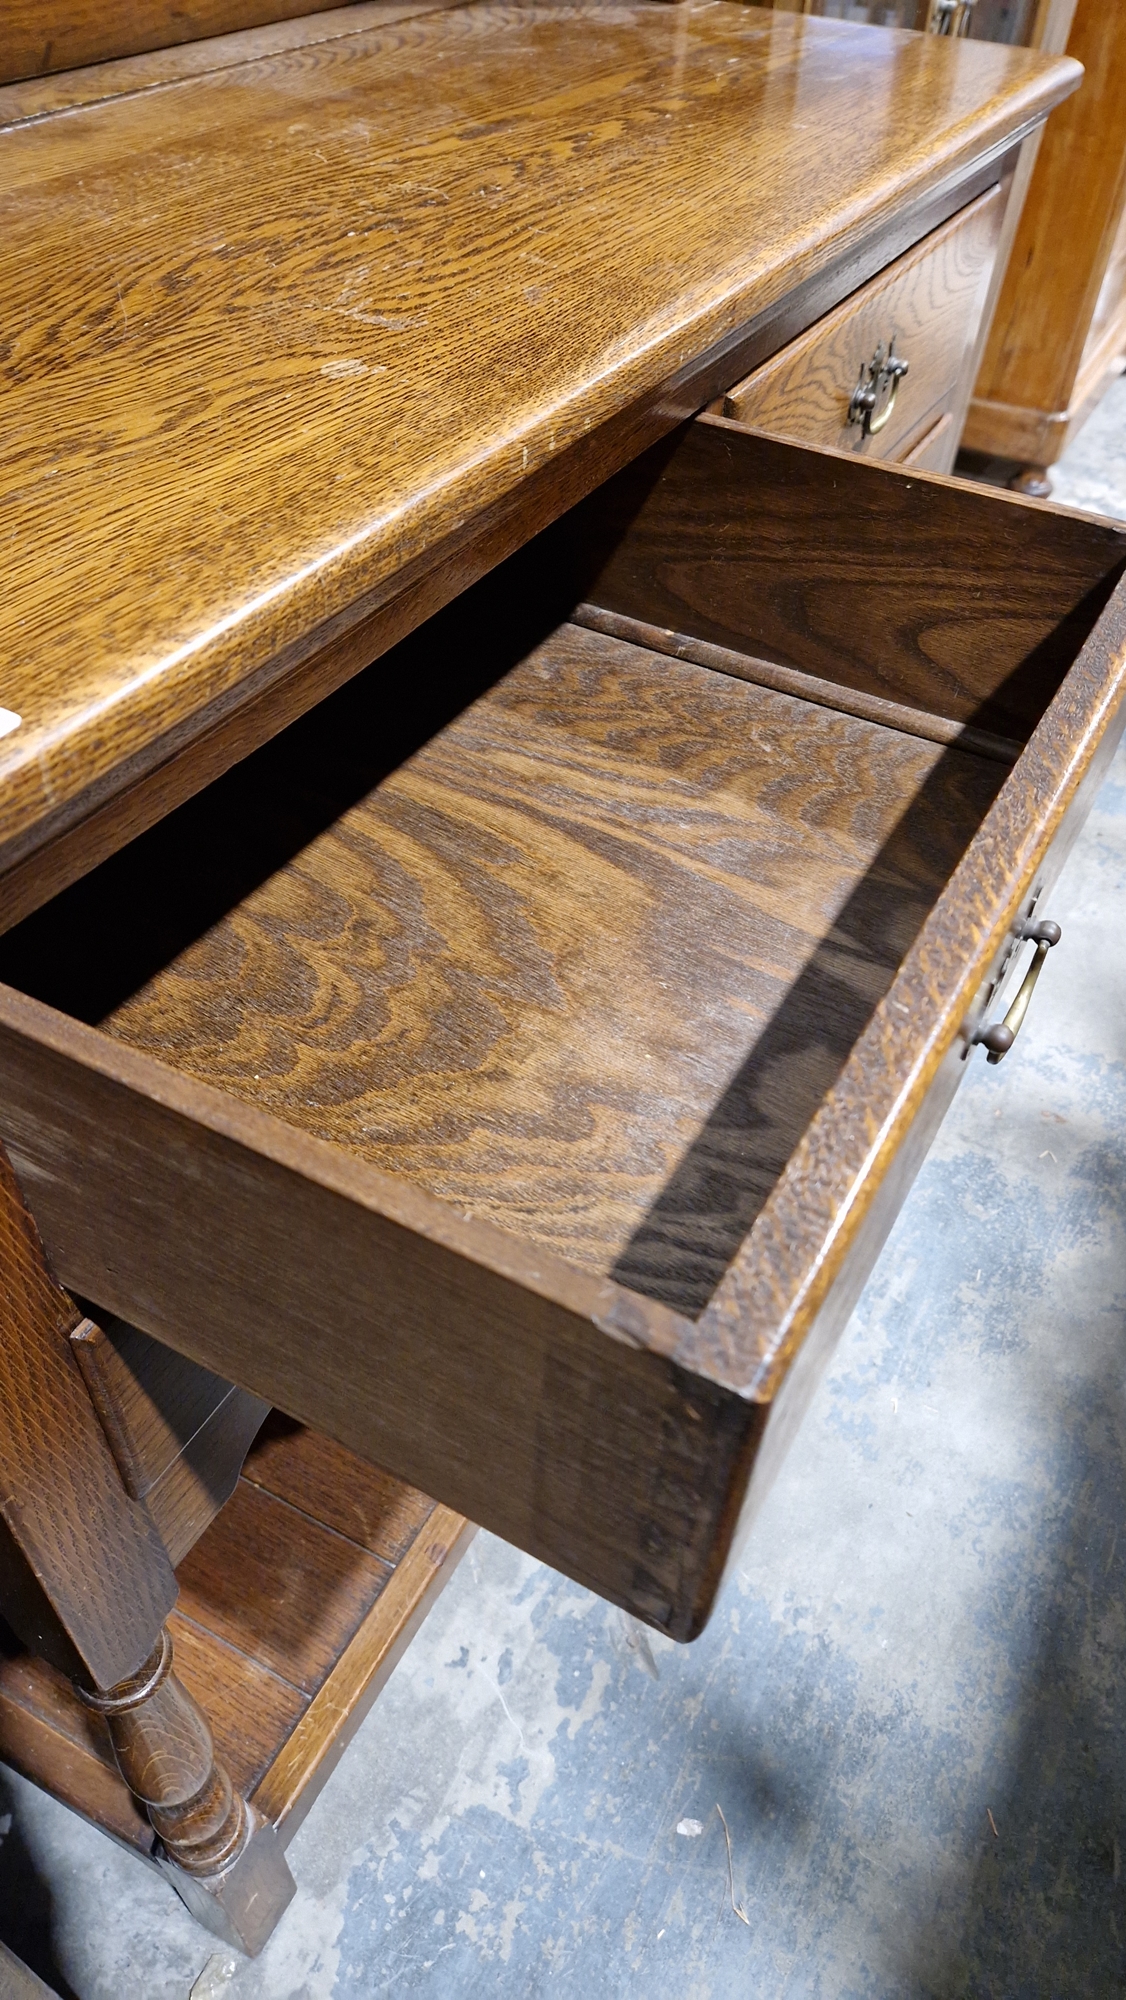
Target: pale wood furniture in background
[
  {"x": 492, "y": 1019},
  {"x": 1032, "y": 24},
  {"x": 1058, "y": 335}
]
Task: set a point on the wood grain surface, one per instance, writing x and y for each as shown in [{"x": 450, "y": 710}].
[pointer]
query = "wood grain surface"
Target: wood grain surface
[
  {"x": 490, "y": 975},
  {"x": 928, "y": 303},
  {"x": 40, "y": 95},
  {"x": 83, "y": 1576},
  {"x": 860, "y": 1153},
  {"x": 18, "y": 1982},
  {"x": 150, "y": 1401},
  {"x": 923, "y": 591},
  {"x": 792, "y": 680},
  {"x": 330, "y": 1484},
  {"x": 286, "y": 333},
  {"x": 307, "y": 1597},
  {"x": 277, "y": 1740},
  {"x": 166, "y": 1754},
  {"x": 46, "y": 1734},
  {"x": 42, "y": 35},
  {"x": 178, "y": 1432},
  {"x": 200, "y": 1481},
  {"x": 299, "y": 1769},
  {"x": 251, "y": 1707},
  {"x": 935, "y": 448}
]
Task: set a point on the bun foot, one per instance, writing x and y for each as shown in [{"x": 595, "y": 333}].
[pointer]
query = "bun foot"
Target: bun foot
[
  {"x": 1033, "y": 481},
  {"x": 240, "y": 1903}
]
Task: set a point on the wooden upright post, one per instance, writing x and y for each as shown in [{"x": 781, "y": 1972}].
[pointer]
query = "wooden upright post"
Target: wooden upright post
[{"x": 86, "y": 1582}]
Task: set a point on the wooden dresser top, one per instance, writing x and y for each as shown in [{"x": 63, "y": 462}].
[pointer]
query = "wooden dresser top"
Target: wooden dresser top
[{"x": 277, "y": 332}]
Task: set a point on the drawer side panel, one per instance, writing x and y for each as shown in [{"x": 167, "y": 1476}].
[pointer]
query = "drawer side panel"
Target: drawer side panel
[{"x": 530, "y": 1399}]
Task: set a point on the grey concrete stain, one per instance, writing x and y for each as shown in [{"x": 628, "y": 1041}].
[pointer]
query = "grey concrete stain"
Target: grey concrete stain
[{"x": 907, "y": 1704}]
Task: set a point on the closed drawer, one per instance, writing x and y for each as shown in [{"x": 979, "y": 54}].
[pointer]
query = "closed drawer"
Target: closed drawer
[
  {"x": 928, "y": 304},
  {"x": 514, "y": 1068}
]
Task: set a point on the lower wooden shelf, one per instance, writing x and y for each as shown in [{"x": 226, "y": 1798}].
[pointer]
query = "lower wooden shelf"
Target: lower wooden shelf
[{"x": 295, "y": 1606}]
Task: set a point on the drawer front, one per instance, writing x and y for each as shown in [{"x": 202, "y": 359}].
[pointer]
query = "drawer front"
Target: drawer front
[
  {"x": 929, "y": 303},
  {"x": 935, "y": 449}
]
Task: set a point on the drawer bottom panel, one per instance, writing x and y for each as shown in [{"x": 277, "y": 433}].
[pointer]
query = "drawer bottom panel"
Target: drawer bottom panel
[{"x": 584, "y": 965}]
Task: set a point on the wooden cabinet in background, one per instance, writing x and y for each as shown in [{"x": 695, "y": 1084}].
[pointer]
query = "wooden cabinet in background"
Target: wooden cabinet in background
[
  {"x": 1058, "y": 335},
  {"x": 1031, "y": 24}
]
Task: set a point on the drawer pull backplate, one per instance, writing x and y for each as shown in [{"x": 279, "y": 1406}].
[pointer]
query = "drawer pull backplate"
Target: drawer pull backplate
[
  {"x": 999, "y": 1038},
  {"x": 873, "y": 398},
  {"x": 950, "y": 17}
]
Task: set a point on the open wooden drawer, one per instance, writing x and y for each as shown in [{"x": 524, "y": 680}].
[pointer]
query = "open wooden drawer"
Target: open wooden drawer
[{"x": 514, "y": 1068}]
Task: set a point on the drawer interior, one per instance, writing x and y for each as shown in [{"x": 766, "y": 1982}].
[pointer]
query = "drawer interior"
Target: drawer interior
[{"x": 570, "y": 908}]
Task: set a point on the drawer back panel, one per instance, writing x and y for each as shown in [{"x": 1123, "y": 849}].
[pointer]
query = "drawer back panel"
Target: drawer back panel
[{"x": 959, "y": 601}]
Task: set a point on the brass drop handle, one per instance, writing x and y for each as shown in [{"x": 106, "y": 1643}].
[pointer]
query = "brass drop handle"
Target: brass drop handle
[
  {"x": 999, "y": 1038},
  {"x": 950, "y": 17},
  {"x": 873, "y": 398}
]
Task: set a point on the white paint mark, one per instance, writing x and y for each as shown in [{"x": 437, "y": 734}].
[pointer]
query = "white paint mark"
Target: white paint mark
[
  {"x": 394, "y": 322},
  {"x": 689, "y": 1829},
  {"x": 217, "y": 1973},
  {"x": 9, "y": 720},
  {"x": 515, "y": 1725},
  {"x": 344, "y": 369},
  {"x": 738, "y": 1909},
  {"x": 630, "y": 1639}
]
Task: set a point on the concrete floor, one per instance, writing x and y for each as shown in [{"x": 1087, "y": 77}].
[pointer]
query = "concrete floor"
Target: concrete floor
[{"x": 907, "y": 1705}]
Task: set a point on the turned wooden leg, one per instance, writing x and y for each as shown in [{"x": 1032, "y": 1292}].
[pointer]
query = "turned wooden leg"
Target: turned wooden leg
[
  {"x": 226, "y": 1864},
  {"x": 1032, "y": 480},
  {"x": 166, "y": 1756},
  {"x": 86, "y": 1582}
]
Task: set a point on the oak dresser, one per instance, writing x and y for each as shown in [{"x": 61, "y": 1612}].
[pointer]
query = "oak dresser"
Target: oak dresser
[{"x": 521, "y": 786}]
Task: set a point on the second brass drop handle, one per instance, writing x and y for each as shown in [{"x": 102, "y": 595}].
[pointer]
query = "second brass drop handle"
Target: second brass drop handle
[
  {"x": 883, "y": 370},
  {"x": 999, "y": 1038}
]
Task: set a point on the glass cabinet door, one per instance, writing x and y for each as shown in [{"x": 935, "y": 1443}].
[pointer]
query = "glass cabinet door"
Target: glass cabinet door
[{"x": 1017, "y": 21}]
